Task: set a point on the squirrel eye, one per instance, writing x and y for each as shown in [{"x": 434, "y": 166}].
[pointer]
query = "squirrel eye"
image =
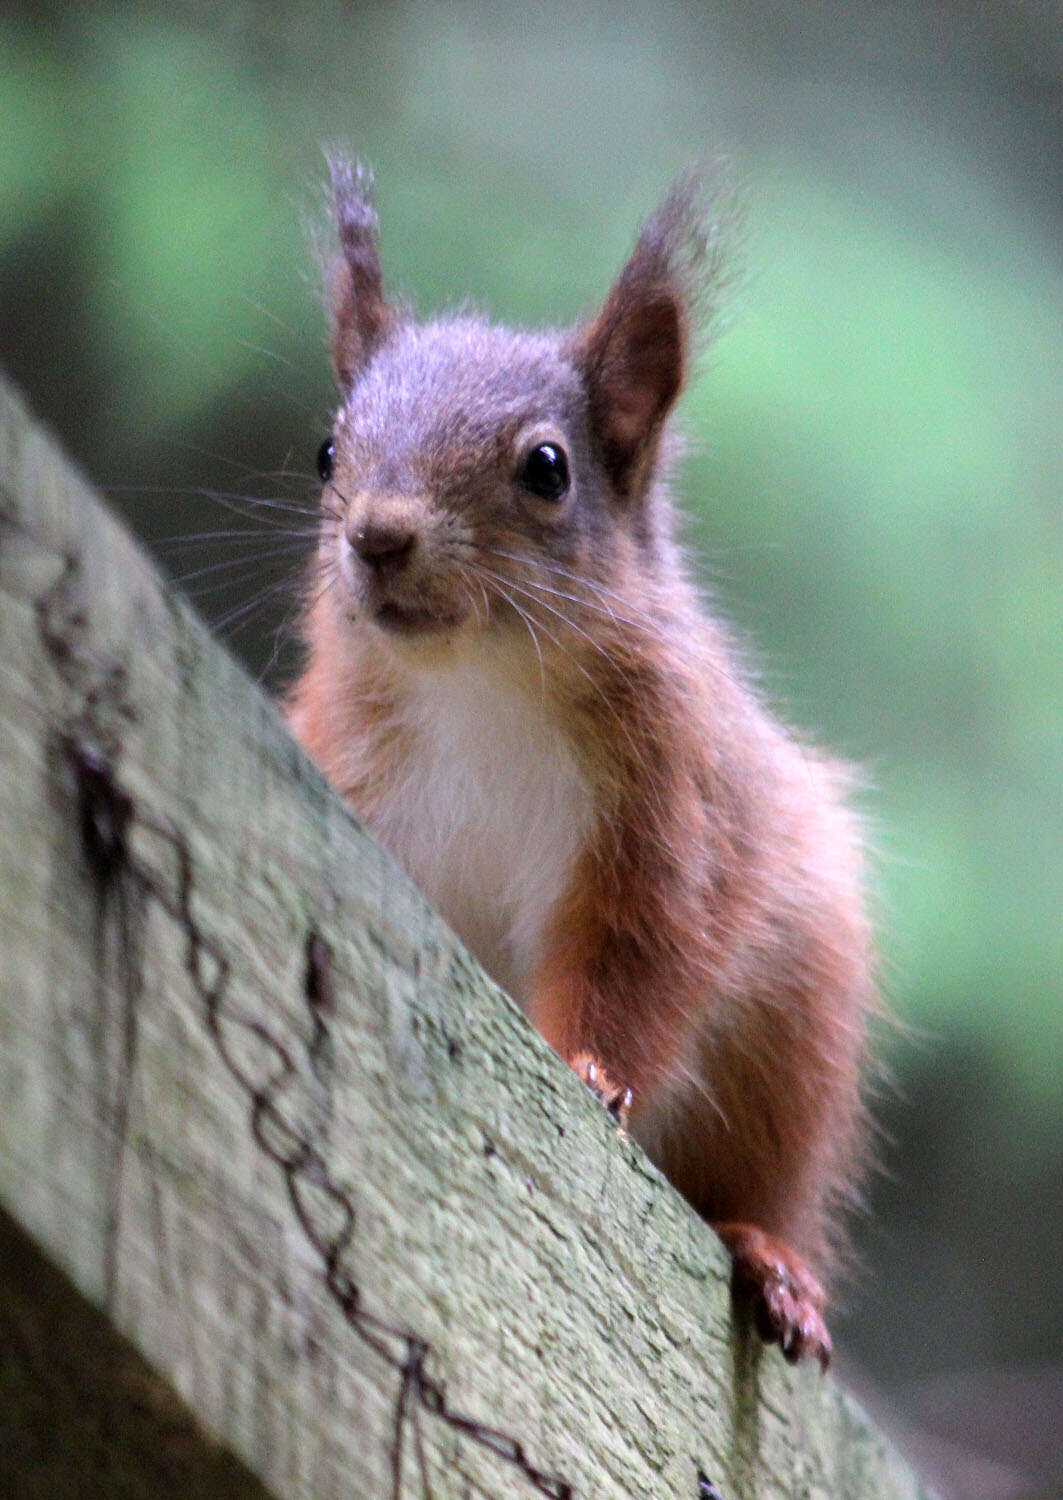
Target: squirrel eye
[
  {"x": 325, "y": 455},
  {"x": 545, "y": 472}
]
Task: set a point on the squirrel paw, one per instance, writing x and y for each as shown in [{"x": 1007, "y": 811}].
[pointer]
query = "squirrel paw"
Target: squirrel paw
[
  {"x": 617, "y": 1101},
  {"x": 784, "y": 1297}
]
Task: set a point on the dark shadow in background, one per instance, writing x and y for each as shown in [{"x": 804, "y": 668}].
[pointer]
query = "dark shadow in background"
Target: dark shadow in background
[{"x": 82, "y": 1415}]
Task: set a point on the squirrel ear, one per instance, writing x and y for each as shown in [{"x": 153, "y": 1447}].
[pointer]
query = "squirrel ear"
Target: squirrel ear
[
  {"x": 634, "y": 355},
  {"x": 359, "y": 314}
]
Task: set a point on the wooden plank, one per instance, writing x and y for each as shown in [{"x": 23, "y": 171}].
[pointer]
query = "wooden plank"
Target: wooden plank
[{"x": 261, "y": 1107}]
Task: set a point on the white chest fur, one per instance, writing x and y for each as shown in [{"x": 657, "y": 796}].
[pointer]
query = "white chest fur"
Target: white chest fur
[{"x": 487, "y": 812}]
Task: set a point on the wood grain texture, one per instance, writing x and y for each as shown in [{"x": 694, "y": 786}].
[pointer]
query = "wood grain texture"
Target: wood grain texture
[{"x": 374, "y": 1233}]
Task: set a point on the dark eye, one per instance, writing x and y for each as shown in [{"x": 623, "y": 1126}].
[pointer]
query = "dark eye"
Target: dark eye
[
  {"x": 325, "y": 455},
  {"x": 545, "y": 472}
]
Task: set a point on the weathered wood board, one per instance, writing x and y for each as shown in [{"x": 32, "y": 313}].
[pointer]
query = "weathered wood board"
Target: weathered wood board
[{"x": 261, "y": 1107}]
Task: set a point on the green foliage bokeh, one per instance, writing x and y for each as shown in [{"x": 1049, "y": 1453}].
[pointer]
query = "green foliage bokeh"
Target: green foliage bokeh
[{"x": 873, "y": 487}]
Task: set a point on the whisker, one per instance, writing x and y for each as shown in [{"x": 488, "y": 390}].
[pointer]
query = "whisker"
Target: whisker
[
  {"x": 304, "y": 476},
  {"x": 252, "y": 505},
  {"x": 278, "y": 359},
  {"x": 187, "y": 346},
  {"x": 237, "y": 534},
  {"x": 226, "y": 498},
  {"x": 330, "y": 573},
  {"x": 530, "y": 627},
  {"x": 573, "y": 626},
  {"x": 235, "y": 619},
  {"x": 289, "y": 550},
  {"x": 287, "y": 580},
  {"x": 487, "y": 602},
  {"x": 331, "y": 577},
  {"x": 331, "y": 484},
  {"x": 225, "y": 459},
  {"x": 267, "y": 312},
  {"x": 603, "y": 610},
  {"x": 591, "y": 583},
  {"x": 640, "y": 619},
  {"x": 598, "y": 689}
]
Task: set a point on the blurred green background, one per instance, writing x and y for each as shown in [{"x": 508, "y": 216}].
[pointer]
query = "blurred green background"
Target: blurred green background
[{"x": 874, "y": 486}]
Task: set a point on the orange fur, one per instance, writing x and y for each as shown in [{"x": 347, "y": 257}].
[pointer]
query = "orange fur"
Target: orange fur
[{"x": 529, "y": 705}]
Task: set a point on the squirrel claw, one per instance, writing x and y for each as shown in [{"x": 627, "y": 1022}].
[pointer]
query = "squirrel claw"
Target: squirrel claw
[
  {"x": 616, "y": 1101},
  {"x": 785, "y": 1299}
]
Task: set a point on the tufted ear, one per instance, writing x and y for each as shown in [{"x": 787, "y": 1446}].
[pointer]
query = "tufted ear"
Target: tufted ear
[
  {"x": 359, "y": 314},
  {"x": 634, "y": 356}
]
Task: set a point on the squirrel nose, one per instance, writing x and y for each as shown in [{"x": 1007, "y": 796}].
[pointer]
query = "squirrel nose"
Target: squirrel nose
[{"x": 384, "y": 545}]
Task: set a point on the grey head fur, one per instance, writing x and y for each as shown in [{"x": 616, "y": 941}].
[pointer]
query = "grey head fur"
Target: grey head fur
[{"x": 444, "y": 413}]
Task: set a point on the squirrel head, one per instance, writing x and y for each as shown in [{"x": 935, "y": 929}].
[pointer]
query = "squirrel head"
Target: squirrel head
[{"x": 472, "y": 468}]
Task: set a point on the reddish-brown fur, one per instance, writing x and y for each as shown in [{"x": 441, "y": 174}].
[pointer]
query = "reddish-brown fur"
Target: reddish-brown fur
[{"x": 706, "y": 947}]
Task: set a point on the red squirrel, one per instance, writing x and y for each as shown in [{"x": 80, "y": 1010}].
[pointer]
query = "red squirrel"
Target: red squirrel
[{"x": 512, "y": 681}]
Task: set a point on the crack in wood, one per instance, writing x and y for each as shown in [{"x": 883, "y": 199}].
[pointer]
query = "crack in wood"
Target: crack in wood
[
  {"x": 107, "y": 815},
  {"x": 323, "y": 1208}
]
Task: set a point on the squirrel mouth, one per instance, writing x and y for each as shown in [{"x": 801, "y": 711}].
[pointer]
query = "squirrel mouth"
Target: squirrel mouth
[{"x": 410, "y": 619}]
